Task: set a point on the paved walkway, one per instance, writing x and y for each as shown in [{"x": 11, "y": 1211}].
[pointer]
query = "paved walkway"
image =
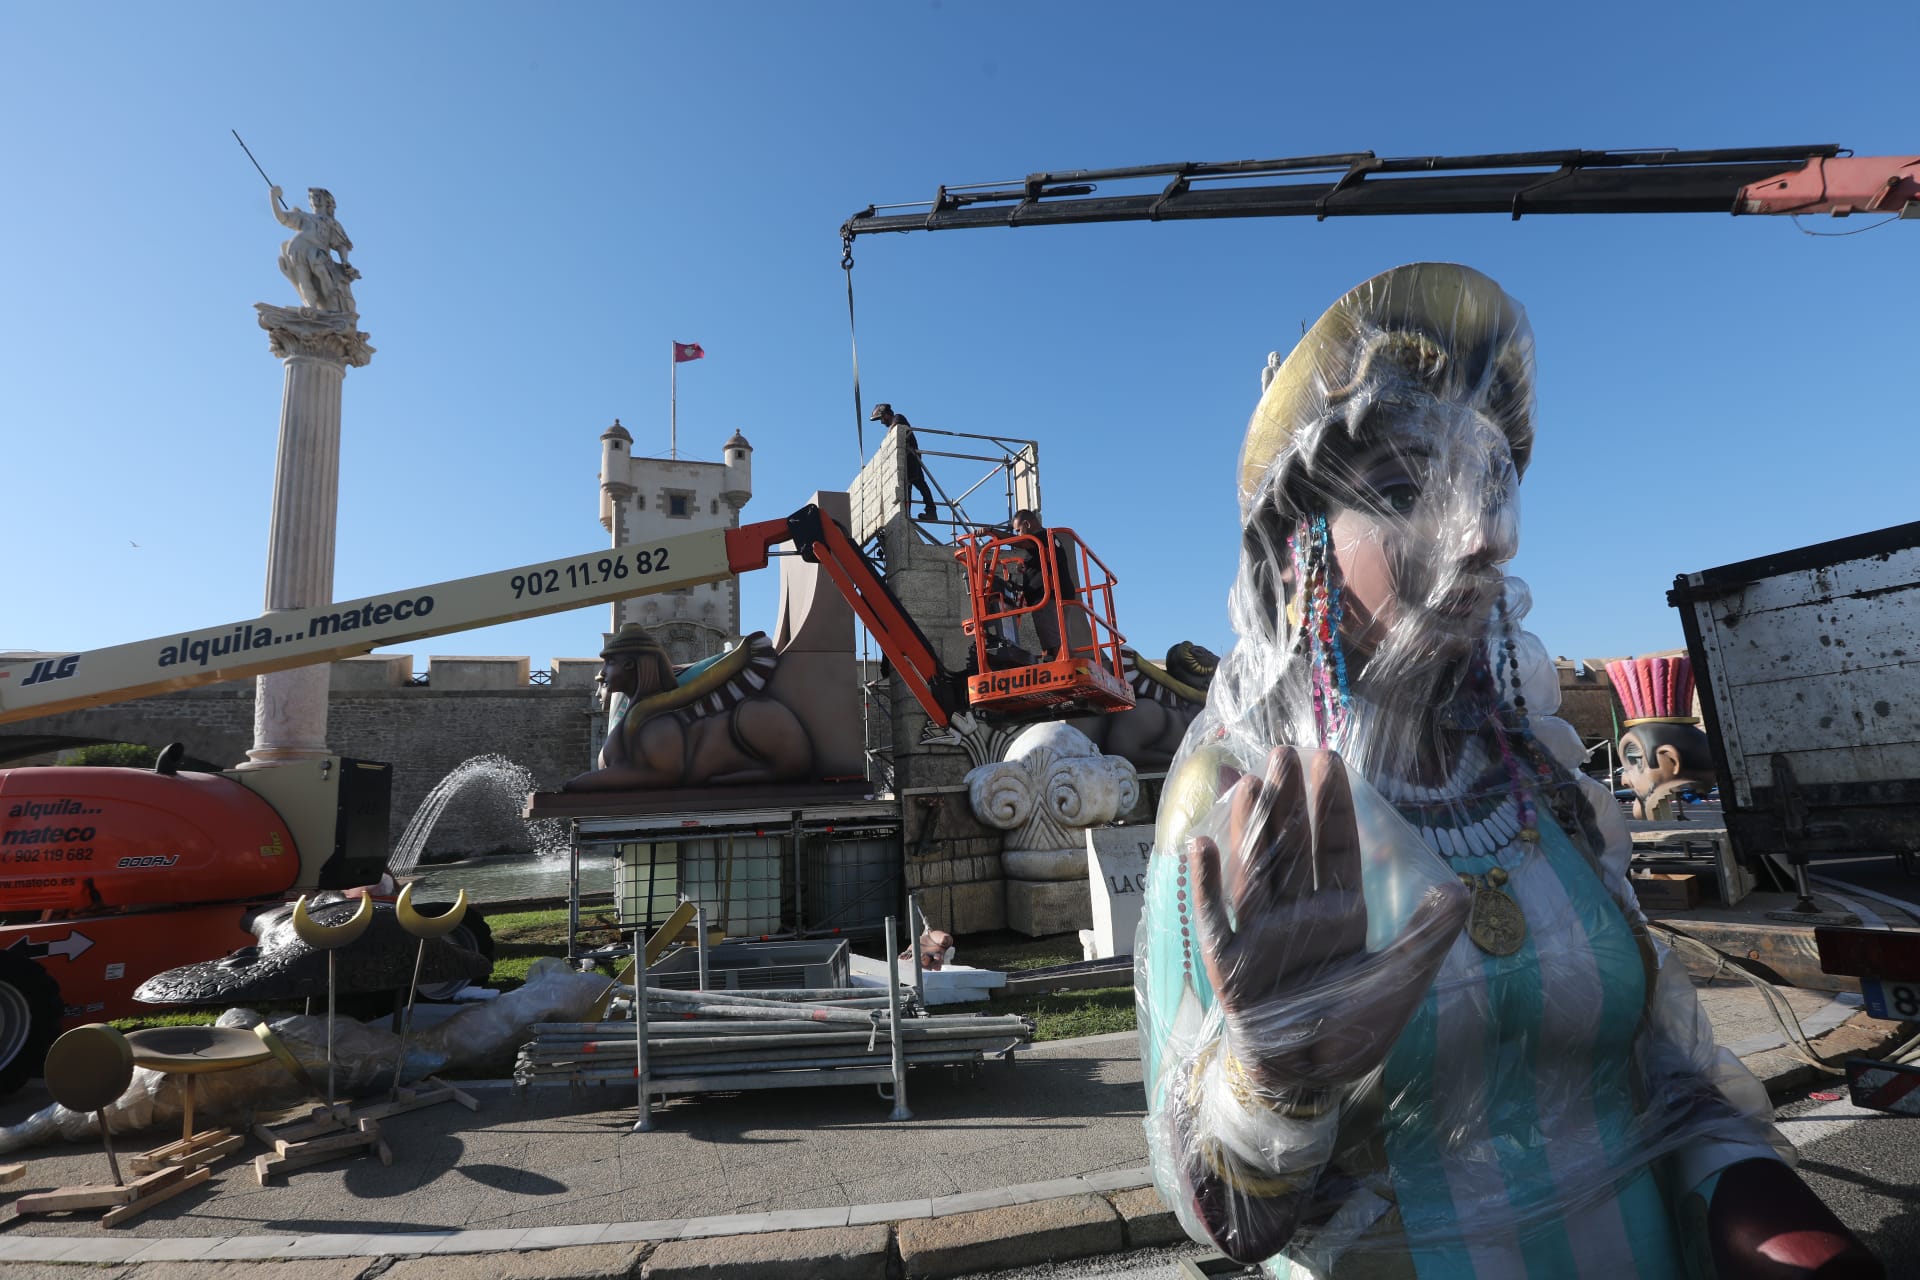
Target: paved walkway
[{"x": 991, "y": 1170}]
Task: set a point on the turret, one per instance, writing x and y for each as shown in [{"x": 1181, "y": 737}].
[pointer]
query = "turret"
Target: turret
[
  {"x": 616, "y": 485},
  {"x": 738, "y": 455}
]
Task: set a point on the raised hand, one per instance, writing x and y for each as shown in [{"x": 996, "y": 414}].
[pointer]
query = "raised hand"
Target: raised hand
[{"x": 1285, "y": 944}]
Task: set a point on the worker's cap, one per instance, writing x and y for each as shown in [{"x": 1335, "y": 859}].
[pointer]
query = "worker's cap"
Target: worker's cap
[
  {"x": 1426, "y": 332},
  {"x": 879, "y": 411},
  {"x": 632, "y": 638}
]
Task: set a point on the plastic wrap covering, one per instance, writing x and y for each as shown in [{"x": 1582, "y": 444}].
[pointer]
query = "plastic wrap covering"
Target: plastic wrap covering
[
  {"x": 481, "y": 1037},
  {"x": 1400, "y": 1013}
]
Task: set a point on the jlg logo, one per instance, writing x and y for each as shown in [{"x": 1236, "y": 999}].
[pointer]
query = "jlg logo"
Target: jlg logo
[{"x": 52, "y": 669}]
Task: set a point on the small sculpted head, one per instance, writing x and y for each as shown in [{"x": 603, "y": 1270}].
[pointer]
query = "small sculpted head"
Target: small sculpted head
[
  {"x": 1663, "y": 749},
  {"x": 1657, "y": 760},
  {"x": 320, "y": 200},
  {"x": 634, "y": 663}
]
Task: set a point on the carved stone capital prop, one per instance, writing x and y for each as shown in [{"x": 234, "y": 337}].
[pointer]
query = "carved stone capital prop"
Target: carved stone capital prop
[
  {"x": 309, "y": 331},
  {"x": 1053, "y": 785}
]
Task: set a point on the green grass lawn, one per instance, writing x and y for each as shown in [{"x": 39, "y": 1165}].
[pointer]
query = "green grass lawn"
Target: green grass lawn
[{"x": 1058, "y": 1015}]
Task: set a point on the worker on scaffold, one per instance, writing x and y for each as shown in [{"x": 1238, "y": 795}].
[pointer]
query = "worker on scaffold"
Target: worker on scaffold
[{"x": 916, "y": 471}]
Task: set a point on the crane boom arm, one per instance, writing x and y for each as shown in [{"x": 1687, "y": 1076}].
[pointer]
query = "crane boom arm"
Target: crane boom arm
[
  {"x": 286, "y": 638},
  {"x": 1772, "y": 180}
]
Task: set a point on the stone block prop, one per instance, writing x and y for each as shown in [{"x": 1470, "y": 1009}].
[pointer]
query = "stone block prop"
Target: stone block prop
[
  {"x": 371, "y": 671},
  {"x": 1052, "y": 786},
  {"x": 1057, "y": 1230},
  {"x": 448, "y": 674},
  {"x": 1117, "y": 880},
  {"x": 575, "y": 673},
  {"x": 1042, "y": 908}
]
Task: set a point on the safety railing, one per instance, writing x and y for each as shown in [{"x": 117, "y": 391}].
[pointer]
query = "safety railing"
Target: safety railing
[{"x": 1000, "y": 568}]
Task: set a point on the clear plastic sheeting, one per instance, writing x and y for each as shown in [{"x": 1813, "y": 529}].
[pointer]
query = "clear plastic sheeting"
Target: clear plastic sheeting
[
  {"x": 482, "y": 1037},
  {"x": 1400, "y": 1012}
]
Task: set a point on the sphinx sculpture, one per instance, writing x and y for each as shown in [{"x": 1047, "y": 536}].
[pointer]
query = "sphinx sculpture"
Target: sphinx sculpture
[
  {"x": 723, "y": 722},
  {"x": 1663, "y": 752},
  {"x": 773, "y": 710},
  {"x": 1167, "y": 696}
]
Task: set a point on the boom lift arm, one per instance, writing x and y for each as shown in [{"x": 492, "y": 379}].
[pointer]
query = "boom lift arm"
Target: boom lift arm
[
  {"x": 325, "y": 633},
  {"x": 1768, "y": 180}
]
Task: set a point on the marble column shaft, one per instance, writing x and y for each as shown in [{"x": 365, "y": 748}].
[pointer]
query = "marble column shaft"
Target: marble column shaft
[{"x": 290, "y": 707}]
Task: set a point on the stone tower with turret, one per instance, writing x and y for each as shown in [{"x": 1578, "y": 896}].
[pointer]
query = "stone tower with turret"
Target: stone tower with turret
[{"x": 643, "y": 498}]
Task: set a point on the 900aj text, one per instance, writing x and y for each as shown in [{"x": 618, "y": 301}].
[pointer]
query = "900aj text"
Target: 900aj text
[{"x": 588, "y": 573}]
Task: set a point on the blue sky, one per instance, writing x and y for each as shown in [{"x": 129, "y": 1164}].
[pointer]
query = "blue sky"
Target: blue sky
[{"x": 542, "y": 197}]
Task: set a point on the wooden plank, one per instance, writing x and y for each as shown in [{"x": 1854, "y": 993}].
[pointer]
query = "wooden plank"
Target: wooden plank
[
  {"x": 265, "y": 1166},
  {"x": 460, "y": 1096},
  {"x": 381, "y": 1110},
  {"x": 151, "y": 1198},
  {"x": 217, "y": 1146},
  {"x": 333, "y": 1142},
  {"x": 1086, "y": 980},
  {"x": 67, "y": 1199},
  {"x": 321, "y": 1121},
  {"x": 12, "y": 1172}
]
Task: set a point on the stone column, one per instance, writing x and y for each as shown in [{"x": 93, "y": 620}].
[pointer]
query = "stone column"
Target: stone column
[{"x": 290, "y": 707}]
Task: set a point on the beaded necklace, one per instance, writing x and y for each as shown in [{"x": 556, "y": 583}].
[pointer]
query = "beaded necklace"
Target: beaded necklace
[
  {"x": 1481, "y": 815},
  {"x": 1318, "y": 610}
]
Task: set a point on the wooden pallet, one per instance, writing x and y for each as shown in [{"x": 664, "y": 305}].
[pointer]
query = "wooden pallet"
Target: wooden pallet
[
  {"x": 191, "y": 1152},
  {"x": 291, "y": 1153}
]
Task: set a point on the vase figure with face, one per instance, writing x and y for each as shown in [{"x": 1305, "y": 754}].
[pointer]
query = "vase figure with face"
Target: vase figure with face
[{"x": 1663, "y": 752}]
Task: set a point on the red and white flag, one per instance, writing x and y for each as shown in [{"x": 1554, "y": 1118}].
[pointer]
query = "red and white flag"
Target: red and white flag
[{"x": 685, "y": 351}]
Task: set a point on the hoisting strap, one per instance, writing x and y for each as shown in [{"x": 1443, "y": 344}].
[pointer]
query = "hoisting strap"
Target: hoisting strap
[{"x": 853, "y": 338}]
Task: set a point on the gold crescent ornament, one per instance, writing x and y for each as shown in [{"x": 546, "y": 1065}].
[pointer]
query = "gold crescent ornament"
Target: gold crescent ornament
[
  {"x": 429, "y": 926},
  {"x": 323, "y": 937}
]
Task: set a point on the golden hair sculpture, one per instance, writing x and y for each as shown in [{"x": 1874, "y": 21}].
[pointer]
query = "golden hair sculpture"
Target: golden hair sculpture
[{"x": 1428, "y": 330}]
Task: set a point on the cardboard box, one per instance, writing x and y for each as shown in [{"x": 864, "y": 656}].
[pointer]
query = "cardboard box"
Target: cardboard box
[{"x": 1667, "y": 890}]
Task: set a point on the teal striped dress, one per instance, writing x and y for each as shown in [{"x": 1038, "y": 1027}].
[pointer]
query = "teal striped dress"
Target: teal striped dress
[{"x": 1508, "y": 1135}]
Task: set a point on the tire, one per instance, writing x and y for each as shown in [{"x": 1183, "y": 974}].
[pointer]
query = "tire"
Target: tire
[
  {"x": 473, "y": 934},
  {"x": 30, "y": 1013}
]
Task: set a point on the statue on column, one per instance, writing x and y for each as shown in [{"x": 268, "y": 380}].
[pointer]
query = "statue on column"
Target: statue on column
[{"x": 307, "y": 260}]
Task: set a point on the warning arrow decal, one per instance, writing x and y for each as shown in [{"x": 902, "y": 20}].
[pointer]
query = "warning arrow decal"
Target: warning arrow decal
[{"x": 71, "y": 947}]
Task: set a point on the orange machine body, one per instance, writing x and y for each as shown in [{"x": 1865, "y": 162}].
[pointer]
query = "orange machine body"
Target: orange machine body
[{"x": 108, "y": 876}]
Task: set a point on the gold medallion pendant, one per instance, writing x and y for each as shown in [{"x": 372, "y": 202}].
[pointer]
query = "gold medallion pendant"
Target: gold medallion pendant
[{"x": 1495, "y": 922}]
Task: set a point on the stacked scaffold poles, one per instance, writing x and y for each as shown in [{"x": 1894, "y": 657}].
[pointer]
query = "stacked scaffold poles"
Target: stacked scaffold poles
[{"x": 706, "y": 1041}]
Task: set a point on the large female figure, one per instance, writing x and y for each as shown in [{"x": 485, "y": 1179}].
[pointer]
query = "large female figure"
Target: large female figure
[{"x": 1400, "y": 1013}]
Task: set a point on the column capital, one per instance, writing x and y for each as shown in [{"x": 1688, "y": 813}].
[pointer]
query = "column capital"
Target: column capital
[{"x": 309, "y": 331}]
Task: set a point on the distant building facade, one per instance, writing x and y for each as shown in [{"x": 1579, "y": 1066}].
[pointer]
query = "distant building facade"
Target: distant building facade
[{"x": 643, "y": 498}]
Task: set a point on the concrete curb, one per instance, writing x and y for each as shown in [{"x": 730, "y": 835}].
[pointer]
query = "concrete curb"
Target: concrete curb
[
  {"x": 733, "y": 1245},
  {"x": 1782, "y": 1070}
]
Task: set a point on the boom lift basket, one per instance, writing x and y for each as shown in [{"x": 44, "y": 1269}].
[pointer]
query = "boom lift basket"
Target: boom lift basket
[{"x": 1004, "y": 572}]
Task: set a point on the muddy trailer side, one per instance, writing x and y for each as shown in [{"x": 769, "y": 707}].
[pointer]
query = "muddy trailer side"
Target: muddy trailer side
[{"x": 1808, "y": 669}]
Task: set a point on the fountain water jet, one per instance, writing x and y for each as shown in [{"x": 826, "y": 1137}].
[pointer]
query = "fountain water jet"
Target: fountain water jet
[{"x": 509, "y": 781}]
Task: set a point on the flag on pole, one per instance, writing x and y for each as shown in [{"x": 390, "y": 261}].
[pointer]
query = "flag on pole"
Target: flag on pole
[{"x": 685, "y": 351}]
